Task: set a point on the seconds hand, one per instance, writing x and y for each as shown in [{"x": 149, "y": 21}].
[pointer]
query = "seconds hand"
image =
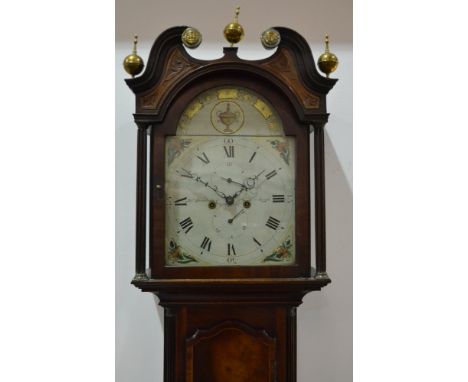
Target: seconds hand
[{"x": 235, "y": 216}]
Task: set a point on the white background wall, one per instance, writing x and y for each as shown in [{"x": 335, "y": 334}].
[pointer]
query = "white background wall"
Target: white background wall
[
  {"x": 57, "y": 206},
  {"x": 325, "y": 318}
]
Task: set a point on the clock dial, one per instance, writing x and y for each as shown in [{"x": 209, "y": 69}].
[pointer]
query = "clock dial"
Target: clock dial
[{"x": 230, "y": 201}]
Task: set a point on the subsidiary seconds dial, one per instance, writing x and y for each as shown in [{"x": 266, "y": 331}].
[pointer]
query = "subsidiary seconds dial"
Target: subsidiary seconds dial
[{"x": 230, "y": 201}]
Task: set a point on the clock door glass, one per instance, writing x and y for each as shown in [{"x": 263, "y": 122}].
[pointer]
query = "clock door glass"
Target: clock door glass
[{"x": 230, "y": 195}]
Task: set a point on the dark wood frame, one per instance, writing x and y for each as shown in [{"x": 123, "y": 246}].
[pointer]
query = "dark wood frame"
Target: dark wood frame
[
  {"x": 172, "y": 80},
  {"x": 292, "y": 128}
]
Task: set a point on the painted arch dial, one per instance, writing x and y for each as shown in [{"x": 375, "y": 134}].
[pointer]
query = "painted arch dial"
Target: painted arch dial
[{"x": 230, "y": 200}]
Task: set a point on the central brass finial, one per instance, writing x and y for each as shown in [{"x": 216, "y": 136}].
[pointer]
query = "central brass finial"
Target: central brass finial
[{"x": 233, "y": 32}]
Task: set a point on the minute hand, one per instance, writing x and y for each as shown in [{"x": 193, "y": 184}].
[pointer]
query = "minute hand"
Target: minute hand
[
  {"x": 215, "y": 189},
  {"x": 200, "y": 180}
]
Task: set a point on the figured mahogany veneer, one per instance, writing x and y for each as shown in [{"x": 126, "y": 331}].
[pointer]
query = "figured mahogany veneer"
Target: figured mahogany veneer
[{"x": 231, "y": 352}]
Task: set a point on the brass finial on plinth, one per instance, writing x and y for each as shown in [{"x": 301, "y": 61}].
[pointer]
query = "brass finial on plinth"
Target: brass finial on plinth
[
  {"x": 233, "y": 32},
  {"x": 327, "y": 62},
  {"x": 133, "y": 63}
]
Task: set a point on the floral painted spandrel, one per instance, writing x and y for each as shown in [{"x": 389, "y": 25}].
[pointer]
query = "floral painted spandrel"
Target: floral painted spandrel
[
  {"x": 282, "y": 253},
  {"x": 175, "y": 147},
  {"x": 178, "y": 256},
  {"x": 283, "y": 148}
]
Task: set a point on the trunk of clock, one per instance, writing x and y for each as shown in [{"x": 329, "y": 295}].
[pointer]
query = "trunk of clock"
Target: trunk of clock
[
  {"x": 230, "y": 330},
  {"x": 230, "y": 343},
  {"x": 234, "y": 342}
]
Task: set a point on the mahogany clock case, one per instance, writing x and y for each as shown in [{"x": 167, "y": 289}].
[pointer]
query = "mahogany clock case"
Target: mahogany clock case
[
  {"x": 157, "y": 214},
  {"x": 233, "y": 323},
  {"x": 299, "y": 99}
]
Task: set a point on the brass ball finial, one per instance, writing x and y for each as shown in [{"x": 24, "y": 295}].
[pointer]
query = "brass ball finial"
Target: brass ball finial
[
  {"x": 327, "y": 61},
  {"x": 191, "y": 38},
  {"x": 233, "y": 32},
  {"x": 133, "y": 63}
]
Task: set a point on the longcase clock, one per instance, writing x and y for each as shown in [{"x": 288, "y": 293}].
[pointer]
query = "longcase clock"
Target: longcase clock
[{"x": 227, "y": 146}]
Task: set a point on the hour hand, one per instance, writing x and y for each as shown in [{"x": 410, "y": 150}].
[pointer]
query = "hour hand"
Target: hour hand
[
  {"x": 229, "y": 180},
  {"x": 251, "y": 181},
  {"x": 255, "y": 177}
]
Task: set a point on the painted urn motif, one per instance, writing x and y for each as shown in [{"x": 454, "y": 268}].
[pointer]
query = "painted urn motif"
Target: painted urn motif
[{"x": 227, "y": 117}]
